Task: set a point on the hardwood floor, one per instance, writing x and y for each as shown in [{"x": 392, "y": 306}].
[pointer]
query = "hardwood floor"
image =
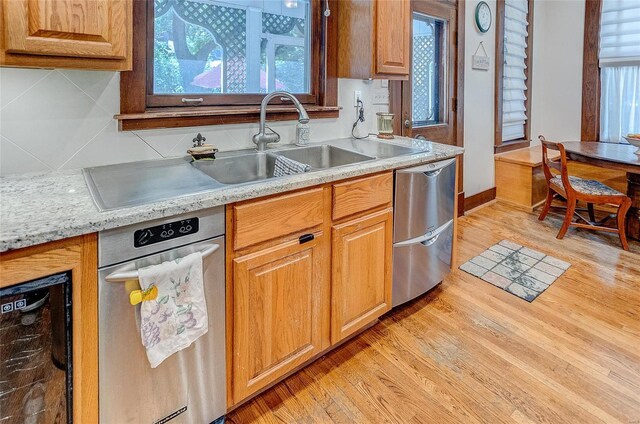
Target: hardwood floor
[{"x": 469, "y": 352}]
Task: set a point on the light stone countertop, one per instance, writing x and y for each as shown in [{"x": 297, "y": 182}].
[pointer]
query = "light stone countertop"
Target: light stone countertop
[{"x": 41, "y": 207}]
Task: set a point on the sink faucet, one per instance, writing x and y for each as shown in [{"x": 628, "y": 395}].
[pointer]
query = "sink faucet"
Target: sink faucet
[{"x": 262, "y": 139}]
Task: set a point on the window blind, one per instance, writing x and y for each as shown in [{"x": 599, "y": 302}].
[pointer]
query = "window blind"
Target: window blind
[
  {"x": 514, "y": 87},
  {"x": 620, "y": 33}
]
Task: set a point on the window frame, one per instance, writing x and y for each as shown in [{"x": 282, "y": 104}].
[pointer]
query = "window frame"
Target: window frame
[
  {"x": 590, "y": 125},
  {"x": 442, "y": 70},
  {"x": 591, "y": 73},
  {"x": 499, "y": 145},
  {"x": 140, "y": 110}
]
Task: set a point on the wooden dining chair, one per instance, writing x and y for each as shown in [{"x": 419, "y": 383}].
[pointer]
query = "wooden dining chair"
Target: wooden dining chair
[{"x": 575, "y": 189}]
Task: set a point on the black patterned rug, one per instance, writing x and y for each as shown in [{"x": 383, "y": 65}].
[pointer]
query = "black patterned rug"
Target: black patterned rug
[{"x": 519, "y": 270}]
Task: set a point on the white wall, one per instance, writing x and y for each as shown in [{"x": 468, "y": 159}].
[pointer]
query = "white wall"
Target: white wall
[
  {"x": 557, "y": 69},
  {"x": 62, "y": 119},
  {"x": 479, "y": 94},
  {"x": 556, "y": 93}
]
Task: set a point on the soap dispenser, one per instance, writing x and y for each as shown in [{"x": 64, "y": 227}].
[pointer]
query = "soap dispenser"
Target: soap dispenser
[{"x": 303, "y": 134}]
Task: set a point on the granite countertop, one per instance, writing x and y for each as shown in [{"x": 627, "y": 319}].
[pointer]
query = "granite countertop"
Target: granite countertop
[{"x": 40, "y": 207}]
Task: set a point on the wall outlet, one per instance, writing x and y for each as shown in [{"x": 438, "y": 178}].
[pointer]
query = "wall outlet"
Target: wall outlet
[
  {"x": 381, "y": 96},
  {"x": 357, "y": 95}
]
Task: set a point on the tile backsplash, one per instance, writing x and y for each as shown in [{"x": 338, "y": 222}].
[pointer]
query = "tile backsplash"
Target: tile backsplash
[{"x": 63, "y": 119}]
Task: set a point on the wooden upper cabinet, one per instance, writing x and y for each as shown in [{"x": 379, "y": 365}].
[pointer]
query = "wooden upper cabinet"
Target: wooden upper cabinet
[
  {"x": 84, "y": 34},
  {"x": 374, "y": 39},
  {"x": 277, "y": 312},
  {"x": 361, "y": 274},
  {"x": 393, "y": 24}
]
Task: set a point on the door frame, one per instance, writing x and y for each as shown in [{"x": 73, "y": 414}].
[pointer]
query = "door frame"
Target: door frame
[{"x": 395, "y": 97}]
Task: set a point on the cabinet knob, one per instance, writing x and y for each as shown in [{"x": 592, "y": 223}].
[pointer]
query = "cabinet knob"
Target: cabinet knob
[{"x": 407, "y": 123}]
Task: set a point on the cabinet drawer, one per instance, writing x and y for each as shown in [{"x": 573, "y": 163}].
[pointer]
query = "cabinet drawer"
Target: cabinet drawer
[
  {"x": 424, "y": 199},
  {"x": 269, "y": 219},
  {"x": 362, "y": 194}
]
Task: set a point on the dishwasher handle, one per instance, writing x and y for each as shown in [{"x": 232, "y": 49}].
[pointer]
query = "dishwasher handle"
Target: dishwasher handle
[
  {"x": 430, "y": 170},
  {"x": 429, "y": 242},
  {"x": 426, "y": 239},
  {"x": 121, "y": 277}
]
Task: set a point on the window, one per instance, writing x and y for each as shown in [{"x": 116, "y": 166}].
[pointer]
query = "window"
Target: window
[
  {"x": 619, "y": 61},
  {"x": 227, "y": 47},
  {"x": 513, "y": 79},
  {"x": 213, "y": 61},
  {"x": 427, "y": 73}
]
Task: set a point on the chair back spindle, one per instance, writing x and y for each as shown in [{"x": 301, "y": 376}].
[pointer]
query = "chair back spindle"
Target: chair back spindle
[{"x": 549, "y": 164}]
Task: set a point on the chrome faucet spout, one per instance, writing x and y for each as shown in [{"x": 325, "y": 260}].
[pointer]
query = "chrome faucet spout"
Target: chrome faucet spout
[{"x": 262, "y": 138}]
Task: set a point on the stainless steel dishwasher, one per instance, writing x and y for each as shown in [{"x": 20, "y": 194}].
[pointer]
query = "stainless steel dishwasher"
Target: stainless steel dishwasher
[
  {"x": 424, "y": 201},
  {"x": 189, "y": 386}
]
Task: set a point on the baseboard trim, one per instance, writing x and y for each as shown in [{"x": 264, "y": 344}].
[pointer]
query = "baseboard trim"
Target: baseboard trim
[{"x": 479, "y": 199}]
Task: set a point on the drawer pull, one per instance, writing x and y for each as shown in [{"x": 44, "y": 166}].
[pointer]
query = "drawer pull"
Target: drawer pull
[{"x": 306, "y": 237}]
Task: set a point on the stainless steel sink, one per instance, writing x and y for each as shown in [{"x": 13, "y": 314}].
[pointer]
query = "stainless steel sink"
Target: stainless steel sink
[
  {"x": 139, "y": 183},
  {"x": 378, "y": 149},
  {"x": 323, "y": 156},
  {"x": 239, "y": 169},
  {"x": 255, "y": 166}
]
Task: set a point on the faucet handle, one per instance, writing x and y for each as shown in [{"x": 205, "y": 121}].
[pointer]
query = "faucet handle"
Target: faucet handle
[
  {"x": 277, "y": 138},
  {"x": 199, "y": 140}
]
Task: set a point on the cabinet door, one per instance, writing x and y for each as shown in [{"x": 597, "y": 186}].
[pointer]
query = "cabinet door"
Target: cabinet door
[
  {"x": 393, "y": 23},
  {"x": 277, "y": 320},
  {"x": 361, "y": 285},
  {"x": 68, "y": 28}
]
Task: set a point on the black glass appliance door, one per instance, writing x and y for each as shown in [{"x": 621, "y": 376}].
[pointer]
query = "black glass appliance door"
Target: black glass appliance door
[{"x": 35, "y": 351}]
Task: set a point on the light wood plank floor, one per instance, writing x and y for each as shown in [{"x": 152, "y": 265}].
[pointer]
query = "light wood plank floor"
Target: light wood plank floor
[{"x": 469, "y": 352}]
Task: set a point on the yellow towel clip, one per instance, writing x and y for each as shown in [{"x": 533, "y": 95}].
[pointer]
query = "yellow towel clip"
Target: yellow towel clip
[{"x": 138, "y": 296}]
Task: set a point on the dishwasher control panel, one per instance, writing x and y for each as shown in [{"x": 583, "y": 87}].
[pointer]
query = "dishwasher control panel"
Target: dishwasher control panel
[{"x": 151, "y": 235}]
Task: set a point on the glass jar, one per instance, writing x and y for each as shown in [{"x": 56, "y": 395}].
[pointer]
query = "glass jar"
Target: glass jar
[{"x": 385, "y": 125}]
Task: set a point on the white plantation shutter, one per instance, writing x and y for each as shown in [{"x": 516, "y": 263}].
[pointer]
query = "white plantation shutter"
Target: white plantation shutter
[
  {"x": 620, "y": 33},
  {"x": 514, "y": 87}
]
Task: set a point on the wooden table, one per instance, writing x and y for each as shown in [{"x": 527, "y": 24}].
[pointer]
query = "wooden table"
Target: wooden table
[{"x": 614, "y": 156}]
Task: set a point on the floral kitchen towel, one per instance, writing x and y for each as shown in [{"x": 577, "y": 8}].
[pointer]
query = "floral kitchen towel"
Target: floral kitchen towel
[{"x": 178, "y": 315}]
